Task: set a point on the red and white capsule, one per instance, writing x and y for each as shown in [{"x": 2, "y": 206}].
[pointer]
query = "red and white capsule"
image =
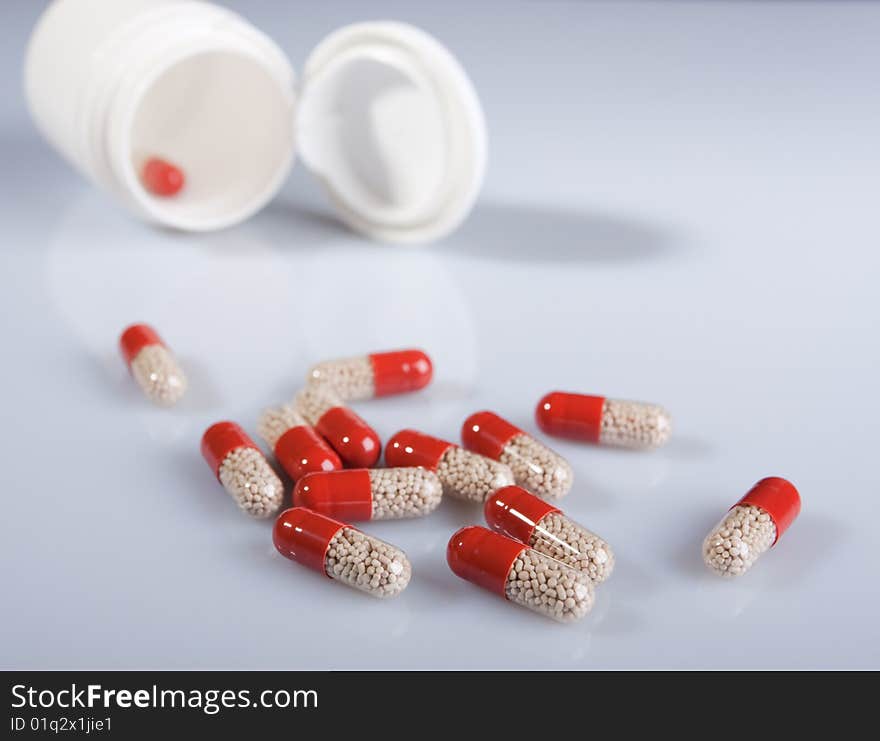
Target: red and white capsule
[
  {"x": 341, "y": 552},
  {"x": 752, "y": 526},
  {"x": 356, "y": 443},
  {"x": 534, "y": 465},
  {"x": 522, "y": 516},
  {"x": 464, "y": 475},
  {"x": 297, "y": 446},
  {"x": 242, "y": 469},
  {"x": 596, "y": 419},
  {"x": 370, "y": 494},
  {"x": 378, "y": 374},
  {"x": 152, "y": 364},
  {"x": 162, "y": 178},
  {"x": 520, "y": 574}
]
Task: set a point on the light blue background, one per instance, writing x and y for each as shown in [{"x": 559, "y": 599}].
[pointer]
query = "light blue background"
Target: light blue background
[{"x": 681, "y": 207}]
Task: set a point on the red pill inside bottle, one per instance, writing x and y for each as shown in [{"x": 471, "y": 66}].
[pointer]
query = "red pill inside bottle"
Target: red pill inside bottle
[{"x": 162, "y": 178}]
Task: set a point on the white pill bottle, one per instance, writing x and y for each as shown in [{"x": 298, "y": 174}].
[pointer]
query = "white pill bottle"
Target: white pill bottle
[{"x": 383, "y": 115}]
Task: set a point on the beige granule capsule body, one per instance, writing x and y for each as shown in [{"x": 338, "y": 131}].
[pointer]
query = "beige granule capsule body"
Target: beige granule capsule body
[
  {"x": 549, "y": 587},
  {"x": 563, "y": 539},
  {"x": 399, "y": 493},
  {"x": 751, "y": 526},
  {"x": 470, "y": 476},
  {"x": 350, "y": 378},
  {"x": 370, "y": 494},
  {"x": 152, "y": 365},
  {"x": 738, "y": 540},
  {"x": 159, "y": 376},
  {"x": 520, "y": 574},
  {"x": 251, "y": 482},
  {"x": 537, "y": 468},
  {"x": 313, "y": 402},
  {"x": 242, "y": 469},
  {"x": 367, "y": 563},
  {"x": 634, "y": 424},
  {"x": 341, "y": 552}
]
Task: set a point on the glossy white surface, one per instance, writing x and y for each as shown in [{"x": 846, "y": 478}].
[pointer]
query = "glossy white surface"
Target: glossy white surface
[{"x": 680, "y": 207}]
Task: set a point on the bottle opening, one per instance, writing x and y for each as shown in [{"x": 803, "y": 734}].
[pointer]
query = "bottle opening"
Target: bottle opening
[{"x": 224, "y": 120}]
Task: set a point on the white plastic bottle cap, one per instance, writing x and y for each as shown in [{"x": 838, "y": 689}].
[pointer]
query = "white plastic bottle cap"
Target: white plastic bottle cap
[
  {"x": 385, "y": 116},
  {"x": 390, "y": 122}
]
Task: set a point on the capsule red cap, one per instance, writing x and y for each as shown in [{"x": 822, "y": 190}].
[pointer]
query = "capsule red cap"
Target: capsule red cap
[
  {"x": 515, "y": 512},
  {"x": 486, "y": 433},
  {"x": 304, "y": 536},
  {"x": 354, "y": 440},
  {"x": 162, "y": 178},
  {"x": 301, "y": 450},
  {"x": 347, "y": 495},
  {"x": 778, "y": 498},
  {"x": 400, "y": 371},
  {"x": 220, "y": 440},
  {"x": 135, "y": 338},
  {"x": 573, "y": 416},
  {"x": 483, "y": 557},
  {"x": 412, "y": 448}
]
